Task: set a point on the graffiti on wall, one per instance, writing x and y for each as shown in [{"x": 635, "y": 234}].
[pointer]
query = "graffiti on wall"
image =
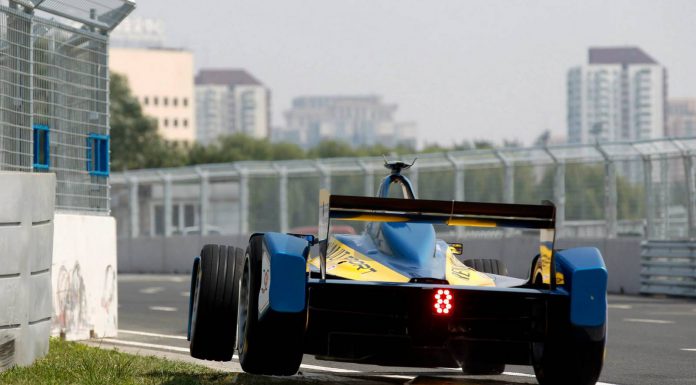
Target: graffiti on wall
[{"x": 71, "y": 313}]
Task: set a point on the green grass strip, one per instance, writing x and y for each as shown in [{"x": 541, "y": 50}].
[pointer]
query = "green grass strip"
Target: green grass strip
[{"x": 70, "y": 363}]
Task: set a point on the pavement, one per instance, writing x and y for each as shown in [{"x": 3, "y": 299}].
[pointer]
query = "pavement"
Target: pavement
[{"x": 651, "y": 341}]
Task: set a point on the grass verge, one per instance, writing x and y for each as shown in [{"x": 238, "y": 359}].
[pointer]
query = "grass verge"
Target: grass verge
[{"x": 69, "y": 363}]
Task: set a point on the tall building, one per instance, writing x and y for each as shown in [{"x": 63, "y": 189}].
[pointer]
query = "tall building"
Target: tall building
[
  {"x": 231, "y": 101},
  {"x": 138, "y": 32},
  {"x": 162, "y": 80},
  {"x": 681, "y": 119},
  {"x": 357, "y": 120},
  {"x": 620, "y": 94}
]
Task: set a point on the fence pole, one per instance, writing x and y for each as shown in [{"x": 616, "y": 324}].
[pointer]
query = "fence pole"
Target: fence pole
[
  {"x": 369, "y": 178},
  {"x": 558, "y": 189},
  {"x": 134, "y": 206},
  {"x": 243, "y": 200},
  {"x": 649, "y": 204},
  {"x": 664, "y": 196},
  {"x": 167, "y": 178},
  {"x": 508, "y": 178},
  {"x": 609, "y": 192},
  {"x": 413, "y": 175},
  {"x": 690, "y": 193},
  {"x": 283, "y": 197},
  {"x": 458, "y": 186},
  {"x": 324, "y": 176},
  {"x": 204, "y": 200}
]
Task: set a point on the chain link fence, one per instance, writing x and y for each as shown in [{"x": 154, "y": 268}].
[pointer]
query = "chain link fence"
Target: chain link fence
[
  {"x": 54, "y": 85},
  {"x": 638, "y": 189}
]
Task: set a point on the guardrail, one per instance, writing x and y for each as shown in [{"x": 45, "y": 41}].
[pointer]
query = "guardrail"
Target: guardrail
[{"x": 668, "y": 267}]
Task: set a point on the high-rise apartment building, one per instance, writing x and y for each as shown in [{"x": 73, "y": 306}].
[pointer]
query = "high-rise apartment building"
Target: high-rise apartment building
[
  {"x": 619, "y": 95},
  {"x": 231, "y": 101},
  {"x": 357, "y": 120},
  {"x": 681, "y": 119},
  {"x": 162, "y": 81}
]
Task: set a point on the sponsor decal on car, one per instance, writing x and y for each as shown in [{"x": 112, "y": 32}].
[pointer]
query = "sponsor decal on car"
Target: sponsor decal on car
[{"x": 264, "y": 291}]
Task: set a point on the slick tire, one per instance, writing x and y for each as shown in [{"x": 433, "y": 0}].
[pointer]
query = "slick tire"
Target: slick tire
[
  {"x": 213, "y": 305},
  {"x": 269, "y": 344},
  {"x": 492, "y": 266},
  {"x": 574, "y": 359},
  {"x": 482, "y": 368}
]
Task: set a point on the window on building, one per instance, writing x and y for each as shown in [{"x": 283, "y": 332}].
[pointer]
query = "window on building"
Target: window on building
[
  {"x": 155, "y": 100},
  {"x": 98, "y": 155},
  {"x": 146, "y": 100},
  {"x": 176, "y": 122},
  {"x": 184, "y": 101},
  {"x": 185, "y": 122},
  {"x": 175, "y": 102},
  {"x": 166, "y": 122},
  {"x": 42, "y": 145},
  {"x": 165, "y": 101}
]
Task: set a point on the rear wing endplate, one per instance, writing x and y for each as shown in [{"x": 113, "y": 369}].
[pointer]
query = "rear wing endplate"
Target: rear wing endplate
[{"x": 450, "y": 213}]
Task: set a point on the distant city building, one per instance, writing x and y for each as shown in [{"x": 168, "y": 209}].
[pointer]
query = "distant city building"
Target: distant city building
[
  {"x": 620, "y": 94},
  {"x": 138, "y": 32},
  {"x": 162, "y": 81},
  {"x": 231, "y": 101},
  {"x": 357, "y": 120},
  {"x": 681, "y": 119}
]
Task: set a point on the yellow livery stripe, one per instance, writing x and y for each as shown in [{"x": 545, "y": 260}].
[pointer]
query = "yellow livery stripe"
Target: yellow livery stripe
[
  {"x": 343, "y": 261},
  {"x": 458, "y": 273}
]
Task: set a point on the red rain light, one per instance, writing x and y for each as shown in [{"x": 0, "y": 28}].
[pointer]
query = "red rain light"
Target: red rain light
[{"x": 443, "y": 301}]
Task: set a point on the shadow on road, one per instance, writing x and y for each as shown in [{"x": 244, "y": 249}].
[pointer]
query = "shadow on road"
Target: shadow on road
[{"x": 174, "y": 378}]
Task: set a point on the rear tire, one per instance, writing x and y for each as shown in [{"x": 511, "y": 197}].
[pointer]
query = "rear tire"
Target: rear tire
[
  {"x": 270, "y": 344},
  {"x": 492, "y": 266},
  {"x": 574, "y": 359},
  {"x": 214, "y": 304}
]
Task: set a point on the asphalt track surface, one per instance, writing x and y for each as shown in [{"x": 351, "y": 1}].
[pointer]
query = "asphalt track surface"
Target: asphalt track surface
[{"x": 651, "y": 341}]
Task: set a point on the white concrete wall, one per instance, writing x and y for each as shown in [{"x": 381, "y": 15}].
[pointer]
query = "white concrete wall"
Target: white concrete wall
[
  {"x": 85, "y": 295},
  {"x": 26, "y": 233}
]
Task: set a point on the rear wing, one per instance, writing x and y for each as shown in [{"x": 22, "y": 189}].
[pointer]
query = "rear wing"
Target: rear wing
[{"x": 450, "y": 213}]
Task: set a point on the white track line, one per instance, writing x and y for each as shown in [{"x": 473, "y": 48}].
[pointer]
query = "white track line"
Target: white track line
[
  {"x": 185, "y": 294},
  {"x": 303, "y": 366},
  {"x": 152, "y": 290},
  {"x": 648, "y": 321},
  {"x": 689, "y": 350},
  {"x": 146, "y": 334},
  {"x": 618, "y": 306},
  {"x": 163, "y": 308}
]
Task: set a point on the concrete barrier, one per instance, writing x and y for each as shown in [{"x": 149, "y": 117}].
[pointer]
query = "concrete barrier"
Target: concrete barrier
[
  {"x": 85, "y": 299},
  {"x": 26, "y": 235},
  {"x": 175, "y": 254}
]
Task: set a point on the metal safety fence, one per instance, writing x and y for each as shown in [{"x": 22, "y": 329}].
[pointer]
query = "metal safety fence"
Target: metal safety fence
[
  {"x": 54, "y": 85},
  {"x": 633, "y": 189},
  {"x": 668, "y": 267}
]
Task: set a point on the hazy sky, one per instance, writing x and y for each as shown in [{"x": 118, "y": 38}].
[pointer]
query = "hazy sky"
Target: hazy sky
[{"x": 459, "y": 69}]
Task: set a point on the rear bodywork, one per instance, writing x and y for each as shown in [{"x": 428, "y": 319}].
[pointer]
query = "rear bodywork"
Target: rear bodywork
[{"x": 371, "y": 297}]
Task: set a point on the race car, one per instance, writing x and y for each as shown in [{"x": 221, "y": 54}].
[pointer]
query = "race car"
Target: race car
[{"x": 396, "y": 295}]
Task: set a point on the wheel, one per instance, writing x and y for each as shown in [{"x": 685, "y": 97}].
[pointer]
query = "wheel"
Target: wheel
[
  {"x": 575, "y": 359},
  {"x": 213, "y": 305},
  {"x": 482, "y": 368},
  {"x": 493, "y": 266},
  {"x": 270, "y": 344}
]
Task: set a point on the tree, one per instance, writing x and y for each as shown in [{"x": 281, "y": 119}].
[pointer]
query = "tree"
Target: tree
[{"x": 135, "y": 142}]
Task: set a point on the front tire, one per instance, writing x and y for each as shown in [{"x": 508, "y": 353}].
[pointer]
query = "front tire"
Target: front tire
[
  {"x": 270, "y": 343},
  {"x": 214, "y": 303}
]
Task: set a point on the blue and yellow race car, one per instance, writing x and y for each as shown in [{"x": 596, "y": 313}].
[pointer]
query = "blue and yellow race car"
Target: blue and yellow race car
[{"x": 396, "y": 295}]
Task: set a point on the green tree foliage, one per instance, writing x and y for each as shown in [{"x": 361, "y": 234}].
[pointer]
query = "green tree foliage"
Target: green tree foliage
[{"x": 135, "y": 142}]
